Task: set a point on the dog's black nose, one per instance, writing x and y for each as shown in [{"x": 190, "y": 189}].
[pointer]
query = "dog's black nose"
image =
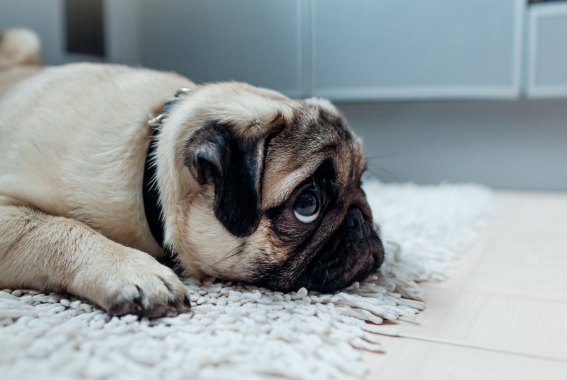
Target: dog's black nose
[{"x": 354, "y": 218}]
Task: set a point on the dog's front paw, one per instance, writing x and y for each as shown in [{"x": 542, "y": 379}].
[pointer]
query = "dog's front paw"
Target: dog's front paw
[
  {"x": 152, "y": 294},
  {"x": 138, "y": 285}
]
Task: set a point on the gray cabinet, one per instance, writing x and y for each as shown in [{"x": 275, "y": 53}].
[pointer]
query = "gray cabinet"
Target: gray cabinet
[
  {"x": 338, "y": 49},
  {"x": 384, "y": 49},
  {"x": 547, "y": 51},
  {"x": 254, "y": 41}
]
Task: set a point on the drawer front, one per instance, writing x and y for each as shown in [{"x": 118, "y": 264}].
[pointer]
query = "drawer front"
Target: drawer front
[
  {"x": 547, "y": 51},
  {"x": 383, "y": 49},
  {"x": 254, "y": 41}
]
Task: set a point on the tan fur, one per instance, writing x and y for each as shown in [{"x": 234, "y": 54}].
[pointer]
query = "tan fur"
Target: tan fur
[
  {"x": 70, "y": 185},
  {"x": 73, "y": 143},
  {"x": 201, "y": 242}
]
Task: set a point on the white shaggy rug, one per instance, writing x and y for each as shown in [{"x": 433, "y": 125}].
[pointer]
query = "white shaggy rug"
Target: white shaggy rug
[{"x": 244, "y": 332}]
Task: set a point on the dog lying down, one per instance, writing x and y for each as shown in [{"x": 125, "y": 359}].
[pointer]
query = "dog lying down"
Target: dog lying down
[{"x": 240, "y": 183}]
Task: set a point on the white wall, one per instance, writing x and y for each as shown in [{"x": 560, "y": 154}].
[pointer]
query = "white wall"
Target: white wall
[{"x": 519, "y": 144}]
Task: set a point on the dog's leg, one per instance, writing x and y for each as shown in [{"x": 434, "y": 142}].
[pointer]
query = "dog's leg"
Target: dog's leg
[{"x": 58, "y": 254}]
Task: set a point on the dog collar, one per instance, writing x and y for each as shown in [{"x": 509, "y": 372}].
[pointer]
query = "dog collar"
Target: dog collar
[{"x": 152, "y": 206}]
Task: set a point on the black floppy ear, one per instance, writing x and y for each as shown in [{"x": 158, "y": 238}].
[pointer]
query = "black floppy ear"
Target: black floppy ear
[{"x": 234, "y": 167}]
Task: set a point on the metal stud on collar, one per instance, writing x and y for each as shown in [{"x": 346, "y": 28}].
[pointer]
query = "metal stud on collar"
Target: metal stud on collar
[{"x": 169, "y": 103}]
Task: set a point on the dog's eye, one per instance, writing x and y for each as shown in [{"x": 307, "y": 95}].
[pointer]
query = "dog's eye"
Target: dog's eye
[{"x": 306, "y": 207}]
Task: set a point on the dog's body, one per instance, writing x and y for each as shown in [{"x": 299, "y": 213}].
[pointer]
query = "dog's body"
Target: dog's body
[{"x": 230, "y": 158}]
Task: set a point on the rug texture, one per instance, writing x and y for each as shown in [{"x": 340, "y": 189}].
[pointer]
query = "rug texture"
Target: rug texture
[{"x": 245, "y": 332}]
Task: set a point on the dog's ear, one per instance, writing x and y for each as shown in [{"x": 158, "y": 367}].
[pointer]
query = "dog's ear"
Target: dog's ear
[{"x": 234, "y": 167}]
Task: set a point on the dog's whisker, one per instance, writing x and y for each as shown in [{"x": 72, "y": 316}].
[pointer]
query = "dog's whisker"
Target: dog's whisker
[
  {"x": 379, "y": 156},
  {"x": 239, "y": 251},
  {"x": 373, "y": 173}
]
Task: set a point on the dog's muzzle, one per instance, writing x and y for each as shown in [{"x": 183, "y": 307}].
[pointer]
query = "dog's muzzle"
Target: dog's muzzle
[{"x": 350, "y": 255}]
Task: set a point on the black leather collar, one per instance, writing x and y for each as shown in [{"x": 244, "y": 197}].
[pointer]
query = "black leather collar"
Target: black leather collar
[
  {"x": 152, "y": 206},
  {"x": 150, "y": 188}
]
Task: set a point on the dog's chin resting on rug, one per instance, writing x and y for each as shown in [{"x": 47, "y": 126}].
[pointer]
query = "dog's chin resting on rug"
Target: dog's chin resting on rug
[{"x": 241, "y": 183}]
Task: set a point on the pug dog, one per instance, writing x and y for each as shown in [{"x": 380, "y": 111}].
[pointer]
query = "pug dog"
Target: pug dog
[{"x": 234, "y": 181}]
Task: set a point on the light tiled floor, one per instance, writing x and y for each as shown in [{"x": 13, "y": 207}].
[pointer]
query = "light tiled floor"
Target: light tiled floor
[{"x": 503, "y": 312}]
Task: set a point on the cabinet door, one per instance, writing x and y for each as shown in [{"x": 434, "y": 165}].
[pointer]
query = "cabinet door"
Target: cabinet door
[
  {"x": 254, "y": 41},
  {"x": 547, "y": 51},
  {"x": 411, "y": 49}
]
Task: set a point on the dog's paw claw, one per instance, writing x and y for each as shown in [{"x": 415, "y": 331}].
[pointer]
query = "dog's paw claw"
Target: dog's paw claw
[
  {"x": 123, "y": 308},
  {"x": 154, "y": 295}
]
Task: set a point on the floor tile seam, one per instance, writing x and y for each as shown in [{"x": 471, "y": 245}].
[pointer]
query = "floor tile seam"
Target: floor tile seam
[
  {"x": 479, "y": 347},
  {"x": 509, "y": 296},
  {"x": 460, "y": 289},
  {"x": 481, "y": 245}
]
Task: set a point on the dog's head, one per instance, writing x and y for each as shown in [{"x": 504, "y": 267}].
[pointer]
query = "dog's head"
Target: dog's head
[{"x": 259, "y": 188}]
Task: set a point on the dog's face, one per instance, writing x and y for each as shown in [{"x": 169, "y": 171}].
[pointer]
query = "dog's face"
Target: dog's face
[{"x": 259, "y": 188}]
